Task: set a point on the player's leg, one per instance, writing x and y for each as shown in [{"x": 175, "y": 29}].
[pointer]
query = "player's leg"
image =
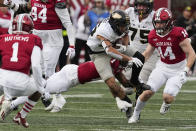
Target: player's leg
[
  {"x": 156, "y": 80},
  {"x": 170, "y": 91},
  {"x": 103, "y": 67},
  {"x": 61, "y": 81},
  {"x": 28, "y": 106},
  {"x": 33, "y": 97}
]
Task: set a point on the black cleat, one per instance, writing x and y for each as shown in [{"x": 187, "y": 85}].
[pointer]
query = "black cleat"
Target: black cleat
[
  {"x": 45, "y": 102},
  {"x": 140, "y": 88},
  {"x": 129, "y": 112}
]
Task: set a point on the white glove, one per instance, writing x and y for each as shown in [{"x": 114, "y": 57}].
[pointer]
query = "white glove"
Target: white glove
[
  {"x": 122, "y": 105},
  {"x": 183, "y": 75},
  {"x": 136, "y": 61},
  {"x": 11, "y": 5},
  {"x": 120, "y": 48},
  {"x": 70, "y": 52},
  {"x": 46, "y": 95}
]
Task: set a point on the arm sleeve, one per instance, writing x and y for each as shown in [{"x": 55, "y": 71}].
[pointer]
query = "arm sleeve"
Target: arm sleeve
[
  {"x": 36, "y": 68},
  {"x": 64, "y": 16}
]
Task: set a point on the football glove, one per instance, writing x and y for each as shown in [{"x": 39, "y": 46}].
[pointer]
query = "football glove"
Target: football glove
[
  {"x": 183, "y": 75},
  {"x": 122, "y": 105},
  {"x": 120, "y": 48},
  {"x": 71, "y": 52},
  {"x": 136, "y": 61},
  {"x": 46, "y": 96}
]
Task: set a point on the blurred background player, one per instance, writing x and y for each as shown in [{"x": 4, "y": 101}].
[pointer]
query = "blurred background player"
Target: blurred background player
[
  {"x": 20, "y": 51},
  {"x": 141, "y": 16},
  {"x": 174, "y": 47},
  {"x": 49, "y": 16},
  {"x": 5, "y": 17}
]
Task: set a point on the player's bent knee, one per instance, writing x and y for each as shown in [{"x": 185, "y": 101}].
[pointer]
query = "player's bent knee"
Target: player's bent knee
[{"x": 147, "y": 94}]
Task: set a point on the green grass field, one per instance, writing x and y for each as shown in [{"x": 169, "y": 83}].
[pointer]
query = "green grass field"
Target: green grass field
[{"x": 91, "y": 107}]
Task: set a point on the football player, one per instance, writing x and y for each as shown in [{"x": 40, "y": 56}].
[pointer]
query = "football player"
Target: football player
[
  {"x": 20, "y": 51},
  {"x": 48, "y": 17},
  {"x": 71, "y": 75},
  {"x": 141, "y": 16},
  {"x": 101, "y": 49},
  {"x": 174, "y": 47}
]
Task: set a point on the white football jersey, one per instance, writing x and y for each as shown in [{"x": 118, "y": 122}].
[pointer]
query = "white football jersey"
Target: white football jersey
[
  {"x": 105, "y": 30},
  {"x": 139, "y": 30}
]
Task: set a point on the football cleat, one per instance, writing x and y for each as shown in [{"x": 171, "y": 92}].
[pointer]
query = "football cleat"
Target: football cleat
[
  {"x": 19, "y": 120},
  {"x": 5, "y": 110},
  {"x": 45, "y": 102},
  {"x": 164, "y": 108},
  {"x": 55, "y": 109},
  {"x": 49, "y": 107},
  {"x": 140, "y": 88},
  {"x": 133, "y": 119},
  {"x": 129, "y": 112}
]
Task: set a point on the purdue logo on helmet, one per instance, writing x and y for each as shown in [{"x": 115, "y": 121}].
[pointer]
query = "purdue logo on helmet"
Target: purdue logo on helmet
[
  {"x": 147, "y": 3},
  {"x": 22, "y": 23},
  {"x": 163, "y": 15},
  {"x": 119, "y": 19}
]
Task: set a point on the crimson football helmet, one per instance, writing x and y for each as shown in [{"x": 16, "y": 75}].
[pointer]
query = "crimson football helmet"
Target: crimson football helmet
[
  {"x": 148, "y": 3},
  {"x": 22, "y": 23},
  {"x": 163, "y": 15}
]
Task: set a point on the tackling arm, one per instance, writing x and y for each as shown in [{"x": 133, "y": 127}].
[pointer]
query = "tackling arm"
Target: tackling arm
[{"x": 122, "y": 79}]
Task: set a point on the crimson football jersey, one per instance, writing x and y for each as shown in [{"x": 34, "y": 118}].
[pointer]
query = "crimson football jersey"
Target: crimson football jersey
[
  {"x": 87, "y": 71},
  {"x": 44, "y": 15},
  {"x": 16, "y": 51},
  {"x": 168, "y": 45}
]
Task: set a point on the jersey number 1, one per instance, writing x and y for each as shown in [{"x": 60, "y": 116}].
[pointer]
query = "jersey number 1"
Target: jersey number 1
[{"x": 14, "y": 57}]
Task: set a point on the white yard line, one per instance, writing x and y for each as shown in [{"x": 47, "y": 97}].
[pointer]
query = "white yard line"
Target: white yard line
[{"x": 84, "y": 95}]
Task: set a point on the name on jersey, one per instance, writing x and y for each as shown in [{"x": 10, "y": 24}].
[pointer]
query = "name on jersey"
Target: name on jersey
[
  {"x": 39, "y": 5},
  {"x": 21, "y": 38},
  {"x": 164, "y": 44}
]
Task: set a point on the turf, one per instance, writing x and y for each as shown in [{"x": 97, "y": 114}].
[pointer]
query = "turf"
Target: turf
[{"x": 91, "y": 107}]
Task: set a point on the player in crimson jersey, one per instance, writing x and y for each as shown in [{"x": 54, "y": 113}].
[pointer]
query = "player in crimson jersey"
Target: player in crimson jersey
[
  {"x": 72, "y": 75},
  {"x": 48, "y": 17},
  {"x": 20, "y": 51},
  {"x": 173, "y": 45}
]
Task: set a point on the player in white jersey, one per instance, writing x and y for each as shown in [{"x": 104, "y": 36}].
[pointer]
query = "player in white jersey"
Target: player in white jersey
[
  {"x": 141, "y": 16},
  {"x": 101, "y": 42}
]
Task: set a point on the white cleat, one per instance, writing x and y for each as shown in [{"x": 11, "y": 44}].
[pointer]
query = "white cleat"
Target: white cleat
[
  {"x": 5, "y": 110},
  {"x": 55, "y": 109},
  {"x": 164, "y": 108},
  {"x": 133, "y": 119}
]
